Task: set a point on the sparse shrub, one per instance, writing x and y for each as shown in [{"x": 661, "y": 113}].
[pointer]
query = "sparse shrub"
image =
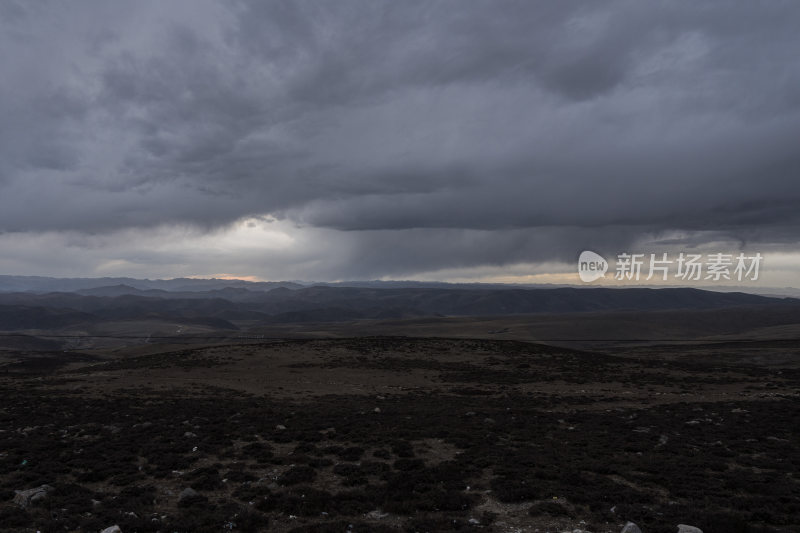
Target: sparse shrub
[
  {"x": 248, "y": 521},
  {"x": 405, "y": 465},
  {"x": 514, "y": 490},
  {"x": 297, "y": 474},
  {"x": 381, "y": 453},
  {"x": 550, "y": 508},
  {"x": 206, "y": 479},
  {"x": 238, "y": 476},
  {"x": 352, "y": 453},
  {"x": 403, "y": 449},
  {"x": 341, "y": 525},
  {"x": 320, "y": 462},
  {"x": 347, "y": 470},
  {"x": 13, "y": 516},
  {"x": 196, "y": 500},
  {"x": 259, "y": 451}
]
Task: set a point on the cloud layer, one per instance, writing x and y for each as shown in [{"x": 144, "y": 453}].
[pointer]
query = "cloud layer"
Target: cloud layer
[{"x": 414, "y": 136}]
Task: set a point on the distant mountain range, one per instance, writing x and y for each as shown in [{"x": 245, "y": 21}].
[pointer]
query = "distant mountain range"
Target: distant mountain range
[
  {"x": 189, "y": 286},
  {"x": 45, "y": 284},
  {"x": 226, "y": 304}
]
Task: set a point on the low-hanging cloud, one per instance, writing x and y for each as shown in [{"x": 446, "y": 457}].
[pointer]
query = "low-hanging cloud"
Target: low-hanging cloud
[{"x": 416, "y": 136}]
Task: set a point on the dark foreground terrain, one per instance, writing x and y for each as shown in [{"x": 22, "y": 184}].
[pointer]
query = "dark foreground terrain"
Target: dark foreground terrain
[{"x": 402, "y": 434}]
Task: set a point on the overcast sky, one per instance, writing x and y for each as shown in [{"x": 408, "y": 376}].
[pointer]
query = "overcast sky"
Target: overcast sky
[{"x": 380, "y": 139}]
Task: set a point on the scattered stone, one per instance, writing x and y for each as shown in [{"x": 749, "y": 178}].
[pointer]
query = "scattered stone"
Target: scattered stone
[
  {"x": 280, "y": 427},
  {"x": 24, "y": 498},
  {"x": 630, "y": 527},
  {"x": 376, "y": 410},
  {"x": 187, "y": 494},
  {"x": 469, "y": 413},
  {"x": 683, "y": 528},
  {"x": 189, "y": 435},
  {"x": 488, "y": 420},
  {"x": 189, "y": 498},
  {"x": 377, "y": 514},
  {"x": 112, "y": 529}
]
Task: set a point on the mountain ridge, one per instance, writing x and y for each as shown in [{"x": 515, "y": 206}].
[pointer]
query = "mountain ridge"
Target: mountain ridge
[{"x": 330, "y": 304}]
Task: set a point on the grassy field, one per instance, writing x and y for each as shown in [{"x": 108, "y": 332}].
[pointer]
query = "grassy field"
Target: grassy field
[{"x": 403, "y": 434}]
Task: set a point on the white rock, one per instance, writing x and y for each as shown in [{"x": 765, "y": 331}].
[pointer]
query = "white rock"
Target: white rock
[
  {"x": 112, "y": 529},
  {"x": 630, "y": 527},
  {"x": 683, "y": 528},
  {"x": 187, "y": 493},
  {"x": 24, "y": 498}
]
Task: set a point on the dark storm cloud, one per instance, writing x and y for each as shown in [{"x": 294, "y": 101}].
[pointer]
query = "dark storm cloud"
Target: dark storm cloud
[{"x": 434, "y": 134}]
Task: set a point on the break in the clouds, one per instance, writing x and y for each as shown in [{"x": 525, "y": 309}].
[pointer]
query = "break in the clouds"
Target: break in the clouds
[{"x": 391, "y": 139}]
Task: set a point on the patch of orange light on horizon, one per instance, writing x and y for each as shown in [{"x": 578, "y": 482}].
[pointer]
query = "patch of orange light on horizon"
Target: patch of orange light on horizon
[
  {"x": 565, "y": 277},
  {"x": 228, "y": 277}
]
